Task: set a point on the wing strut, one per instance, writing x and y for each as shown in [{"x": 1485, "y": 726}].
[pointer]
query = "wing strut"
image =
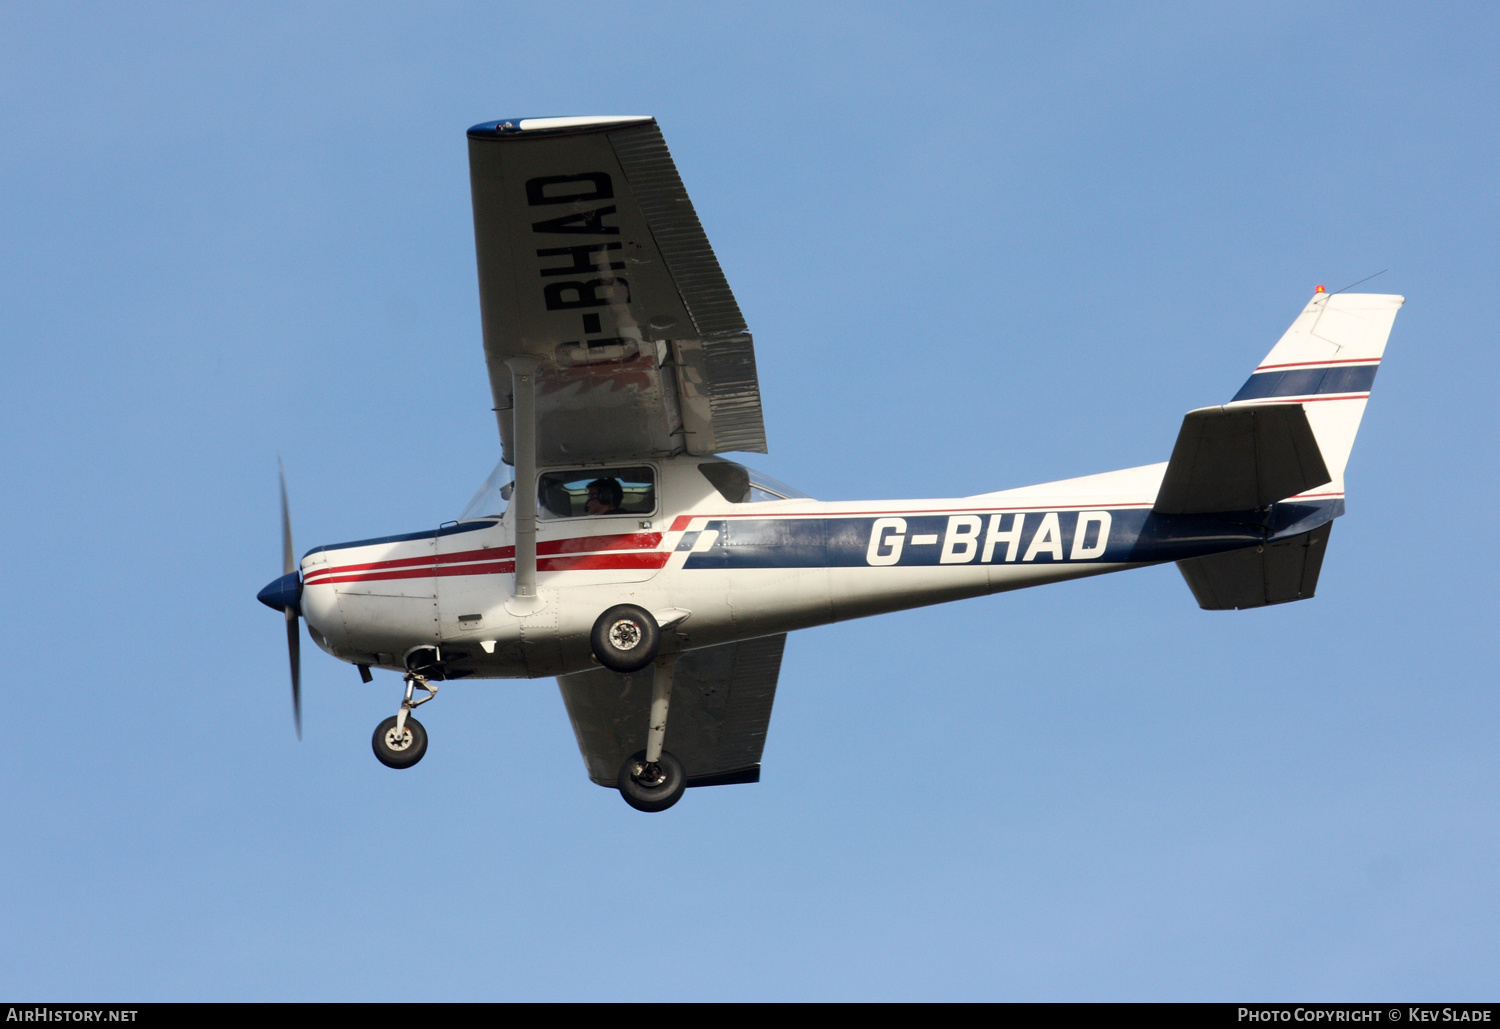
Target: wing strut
[{"x": 523, "y": 368}]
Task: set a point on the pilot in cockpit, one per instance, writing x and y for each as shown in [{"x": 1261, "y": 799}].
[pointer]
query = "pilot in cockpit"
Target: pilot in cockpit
[{"x": 605, "y": 497}]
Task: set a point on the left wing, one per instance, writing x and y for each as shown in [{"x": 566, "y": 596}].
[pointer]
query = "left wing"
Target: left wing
[
  {"x": 592, "y": 259},
  {"x": 716, "y": 722}
]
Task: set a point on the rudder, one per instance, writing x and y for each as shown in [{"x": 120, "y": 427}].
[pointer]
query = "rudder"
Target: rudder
[{"x": 1327, "y": 363}]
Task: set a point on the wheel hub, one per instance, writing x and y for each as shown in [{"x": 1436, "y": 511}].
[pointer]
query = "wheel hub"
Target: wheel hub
[
  {"x": 625, "y": 635},
  {"x": 398, "y": 742},
  {"x": 650, "y": 776}
]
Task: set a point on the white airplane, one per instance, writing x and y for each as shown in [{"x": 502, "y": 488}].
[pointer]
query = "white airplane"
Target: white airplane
[{"x": 653, "y": 577}]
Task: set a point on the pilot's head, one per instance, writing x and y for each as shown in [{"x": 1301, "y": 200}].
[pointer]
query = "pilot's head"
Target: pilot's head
[{"x": 605, "y": 497}]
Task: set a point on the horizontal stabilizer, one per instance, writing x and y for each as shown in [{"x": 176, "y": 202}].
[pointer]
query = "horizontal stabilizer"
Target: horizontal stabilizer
[
  {"x": 1240, "y": 459},
  {"x": 1273, "y": 574}
]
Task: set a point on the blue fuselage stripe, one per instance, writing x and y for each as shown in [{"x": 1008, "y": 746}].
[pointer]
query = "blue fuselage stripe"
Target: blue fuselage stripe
[{"x": 1135, "y": 535}]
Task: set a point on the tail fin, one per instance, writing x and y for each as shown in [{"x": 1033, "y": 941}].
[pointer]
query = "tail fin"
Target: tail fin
[
  {"x": 1286, "y": 435},
  {"x": 1326, "y": 362}
]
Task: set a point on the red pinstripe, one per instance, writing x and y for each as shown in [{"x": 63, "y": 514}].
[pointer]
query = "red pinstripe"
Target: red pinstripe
[
  {"x": 627, "y": 548},
  {"x": 1309, "y": 364}
]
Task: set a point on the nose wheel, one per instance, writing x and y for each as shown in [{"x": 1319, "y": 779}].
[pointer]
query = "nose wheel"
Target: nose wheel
[
  {"x": 399, "y": 746},
  {"x": 400, "y": 740}
]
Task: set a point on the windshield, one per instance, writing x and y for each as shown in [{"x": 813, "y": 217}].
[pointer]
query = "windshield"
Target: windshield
[{"x": 494, "y": 496}]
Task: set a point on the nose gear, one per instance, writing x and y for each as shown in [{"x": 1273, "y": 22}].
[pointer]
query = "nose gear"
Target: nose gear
[{"x": 400, "y": 741}]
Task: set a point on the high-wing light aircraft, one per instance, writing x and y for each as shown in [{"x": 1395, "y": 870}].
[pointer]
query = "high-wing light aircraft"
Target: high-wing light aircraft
[{"x": 657, "y": 580}]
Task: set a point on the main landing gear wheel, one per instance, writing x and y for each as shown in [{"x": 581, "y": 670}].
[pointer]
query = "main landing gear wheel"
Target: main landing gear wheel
[
  {"x": 626, "y": 638},
  {"x": 648, "y": 787},
  {"x": 399, "y": 751}
]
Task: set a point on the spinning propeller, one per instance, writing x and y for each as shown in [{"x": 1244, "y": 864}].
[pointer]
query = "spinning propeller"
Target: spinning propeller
[{"x": 285, "y": 595}]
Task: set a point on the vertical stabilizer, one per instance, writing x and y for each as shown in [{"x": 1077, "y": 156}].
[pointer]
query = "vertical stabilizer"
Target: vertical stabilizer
[{"x": 1327, "y": 362}]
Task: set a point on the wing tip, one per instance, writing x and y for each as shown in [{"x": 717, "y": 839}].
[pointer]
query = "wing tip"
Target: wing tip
[{"x": 503, "y": 128}]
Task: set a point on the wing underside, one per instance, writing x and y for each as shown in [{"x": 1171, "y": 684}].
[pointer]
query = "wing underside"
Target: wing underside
[
  {"x": 591, "y": 258},
  {"x": 717, "y": 720}
]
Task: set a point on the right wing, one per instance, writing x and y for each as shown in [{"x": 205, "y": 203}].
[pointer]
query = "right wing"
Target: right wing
[
  {"x": 592, "y": 258},
  {"x": 716, "y": 721}
]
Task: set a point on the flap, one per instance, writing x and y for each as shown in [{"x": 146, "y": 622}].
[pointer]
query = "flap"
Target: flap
[
  {"x": 1240, "y": 459},
  {"x": 591, "y": 257},
  {"x": 716, "y": 722}
]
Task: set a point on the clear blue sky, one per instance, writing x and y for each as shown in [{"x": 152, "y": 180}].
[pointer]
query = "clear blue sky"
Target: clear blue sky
[{"x": 979, "y": 247}]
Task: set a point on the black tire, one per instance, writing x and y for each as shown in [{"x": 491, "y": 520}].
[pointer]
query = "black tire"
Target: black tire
[
  {"x": 402, "y": 754},
  {"x": 652, "y": 788},
  {"x": 625, "y": 638}
]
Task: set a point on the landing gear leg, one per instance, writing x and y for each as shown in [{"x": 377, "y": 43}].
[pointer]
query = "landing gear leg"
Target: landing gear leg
[
  {"x": 652, "y": 779},
  {"x": 400, "y": 741}
]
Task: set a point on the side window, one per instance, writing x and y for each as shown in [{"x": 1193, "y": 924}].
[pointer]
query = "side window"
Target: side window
[
  {"x": 730, "y": 479},
  {"x": 739, "y": 485},
  {"x": 595, "y": 492}
]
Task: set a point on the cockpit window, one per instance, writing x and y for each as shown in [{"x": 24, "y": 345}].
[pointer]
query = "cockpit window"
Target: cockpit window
[
  {"x": 740, "y": 485},
  {"x": 595, "y": 492}
]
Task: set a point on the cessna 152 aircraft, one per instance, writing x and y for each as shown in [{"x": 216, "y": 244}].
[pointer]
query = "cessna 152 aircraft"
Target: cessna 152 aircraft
[{"x": 657, "y": 580}]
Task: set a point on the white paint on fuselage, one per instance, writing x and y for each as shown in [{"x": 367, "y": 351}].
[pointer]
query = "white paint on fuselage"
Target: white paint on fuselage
[{"x": 376, "y": 621}]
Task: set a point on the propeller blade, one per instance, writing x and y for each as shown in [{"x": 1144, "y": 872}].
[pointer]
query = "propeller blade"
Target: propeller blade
[
  {"x": 288, "y": 562},
  {"x": 294, "y": 651},
  {"x": 288, "y": 566}
]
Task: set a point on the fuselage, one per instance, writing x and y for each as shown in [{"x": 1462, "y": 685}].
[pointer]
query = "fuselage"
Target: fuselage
[{"x": 713, "y": 571}]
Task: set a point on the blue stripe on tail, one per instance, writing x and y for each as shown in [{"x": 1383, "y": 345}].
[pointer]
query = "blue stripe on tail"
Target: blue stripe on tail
[{"x": 1307, "y": 382}]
